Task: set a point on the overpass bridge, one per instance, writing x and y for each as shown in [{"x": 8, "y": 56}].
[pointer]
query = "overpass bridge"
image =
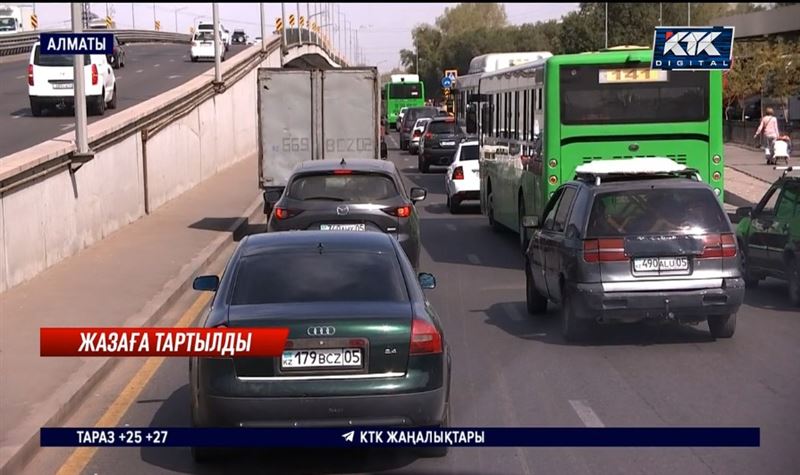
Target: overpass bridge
[{"x": 115, "y": 241}]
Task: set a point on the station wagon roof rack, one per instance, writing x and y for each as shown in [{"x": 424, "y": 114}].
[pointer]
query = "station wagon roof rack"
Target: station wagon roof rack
[
  {"x": 615, "y": 169},
  {"x": 787, "y": 170}
]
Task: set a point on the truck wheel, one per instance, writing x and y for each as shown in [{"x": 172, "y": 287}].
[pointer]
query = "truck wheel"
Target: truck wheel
[
  {"x": 36, "y": 107},
  {"x": 722, "y": 326},
  {"x": 794, "y": 282},
  {"x": 536, "y": 302}
]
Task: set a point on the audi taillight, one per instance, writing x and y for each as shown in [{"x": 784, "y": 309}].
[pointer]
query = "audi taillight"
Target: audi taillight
[
  {"x": 30, "y": 75},
  {"x": 286, "y": 213},
  {"x": 400, "y": 211},
  {"x": 718, "y": 245},
  {"x": 425, "y": 338},
  {"x": 458, "y": 173},
  {"x": 604, "y": 250},
  {"x": 94, "y": 75}
]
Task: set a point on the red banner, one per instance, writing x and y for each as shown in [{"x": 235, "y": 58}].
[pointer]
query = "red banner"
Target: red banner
[{"x": 206, "y": 342}]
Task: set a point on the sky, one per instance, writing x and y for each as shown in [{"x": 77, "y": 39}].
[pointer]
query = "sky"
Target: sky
[{"x": 383, "y": 28}]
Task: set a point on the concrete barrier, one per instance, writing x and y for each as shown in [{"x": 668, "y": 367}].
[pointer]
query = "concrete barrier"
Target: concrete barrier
[{"x": 136, "y": 169}]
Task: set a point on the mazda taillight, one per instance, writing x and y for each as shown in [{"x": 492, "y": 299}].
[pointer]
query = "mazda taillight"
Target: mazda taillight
[
  {"x": 425, "y": 338},
  {"x": 285, "y": 213},
  {"x": 94, "y": 75},
  {"x": 429, "y": 136},
  {"x": 458, "y": 173},
  {"x": 718, "y": 245},
  {"x": 604, "y": 250},
  {"x": 30, "y": 75},
  {"x": 400, "y": 211}
]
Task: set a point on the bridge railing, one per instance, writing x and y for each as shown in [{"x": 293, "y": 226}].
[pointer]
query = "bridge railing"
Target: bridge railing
[
  {"x": 304, "y": 36},
  {"x": 21, "y": 43}
]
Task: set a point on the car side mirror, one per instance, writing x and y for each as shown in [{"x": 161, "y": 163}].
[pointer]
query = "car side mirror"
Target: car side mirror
[
  {"x": 529, "y": 222},
  {"x": 418, "y": 194},
  {"x": 427, "y": 281},
  {"x": 208, "y": 283},
  {"x": 744, "y": 212}
]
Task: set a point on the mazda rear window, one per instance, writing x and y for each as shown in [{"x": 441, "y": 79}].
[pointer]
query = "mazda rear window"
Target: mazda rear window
[
  {"x": 333, "y": 276},
  {"x": 656, "y": 211},
  {"x": 444, "y": 128},
  {"x": 356, "y": 187}
]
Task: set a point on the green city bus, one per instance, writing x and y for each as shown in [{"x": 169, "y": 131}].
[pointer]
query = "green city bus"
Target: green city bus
[
  {"x": 540, "y": 120},
  {"x": 403, "y": 90}
]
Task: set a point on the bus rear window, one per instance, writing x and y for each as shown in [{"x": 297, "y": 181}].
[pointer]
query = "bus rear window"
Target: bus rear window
[
  {"x": 613, "y": 95},
  {"x": 405, "y": 91}
]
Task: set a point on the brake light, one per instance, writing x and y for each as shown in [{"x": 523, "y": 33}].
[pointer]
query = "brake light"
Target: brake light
[
  {"x": 429, "y": 136},
  {"x": 425, "y": 338},
  {"x": 400, "y": 211},
  {"x": 417, "y": 133},
  {"x": 94, "y": 75},
  {"x": 343, "y": 172},
  {"x": 604, "y": 250},
  {"x": 285, "y": 213},
  {"x": 718, "y": 245},
  {"x": 449, "y": 119},
  {"x": 458, "y": 173},
  {"x": 30, "y": 75}
]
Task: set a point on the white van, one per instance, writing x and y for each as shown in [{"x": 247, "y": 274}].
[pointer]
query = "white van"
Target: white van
[
  {"x": 51, "y": 82},
  {"x": 223, "y": 34},
  {"x": 203, "y": 46}
]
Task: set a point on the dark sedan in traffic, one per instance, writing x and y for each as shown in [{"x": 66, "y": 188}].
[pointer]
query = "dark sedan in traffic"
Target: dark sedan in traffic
[
  {"x": 350, "y": 195},
  {"x": 365, "y": 348}
]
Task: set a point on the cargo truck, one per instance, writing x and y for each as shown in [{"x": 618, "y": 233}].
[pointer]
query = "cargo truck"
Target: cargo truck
[
  {"x": 14, "y": 19},
  {"x": 311, "y": 114}
]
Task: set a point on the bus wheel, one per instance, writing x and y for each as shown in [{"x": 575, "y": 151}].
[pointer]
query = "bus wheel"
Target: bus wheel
[
  {"x": 523, "y": 233},
  {"x": 494, "y": 224}
]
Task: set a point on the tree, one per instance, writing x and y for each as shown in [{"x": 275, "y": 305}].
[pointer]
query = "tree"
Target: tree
[{"x": 470, "y": 16}]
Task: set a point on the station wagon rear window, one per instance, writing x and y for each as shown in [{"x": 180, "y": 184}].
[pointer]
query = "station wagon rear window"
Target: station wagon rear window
[
  {"x": 334, "y": 276},
  {"x": 469, "y": 152},
  {"x": 356, "y": 187},
  {"x": 656, "y": 212}
]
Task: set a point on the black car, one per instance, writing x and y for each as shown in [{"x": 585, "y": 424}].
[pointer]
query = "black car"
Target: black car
[
  {"x": 410, "y": 117},
  {"x": 239, "y": 37},
  {"x": 769, "y": 235},
  {"x": 387, "y": 362},
  {"x": 629, "y": 248},
  {"x": 439, "y": 143},
  {"x": 349, "y": 195},
  {"x": 117, "y": 58}
]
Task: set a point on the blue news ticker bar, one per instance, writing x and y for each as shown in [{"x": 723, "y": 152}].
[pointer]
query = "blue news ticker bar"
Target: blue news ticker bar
[
  {"x": 349, "y": 437},
  {"x": 76, "y": 43}
]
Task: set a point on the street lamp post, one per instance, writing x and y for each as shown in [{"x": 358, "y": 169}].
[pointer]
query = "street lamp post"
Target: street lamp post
[
  {"x": 263, "y": 28},
  {"x": 81, "y": 132},
  {"x": 176, "y": 17},
  {"x": 217, "y": 52},
  {"x": 133, "y": 15}
]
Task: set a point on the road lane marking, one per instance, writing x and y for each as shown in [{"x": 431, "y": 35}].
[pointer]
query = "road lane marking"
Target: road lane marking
[
  {"x": 18, "y": 116},
  {"x": 586, "y": 414},
  {"x": 20, "y": 77},
  {"x": 174, "y": 76},
  {"x": 451, "y": 227},
  {"x": 81, "y": 456},
  {"x": 172, "y": 60},
  {"x": 67, "y": 126},
  {"x": 156, "y": 65},
  {"x": 139, "y": 70},
  {"x": 473, "y": 259}
]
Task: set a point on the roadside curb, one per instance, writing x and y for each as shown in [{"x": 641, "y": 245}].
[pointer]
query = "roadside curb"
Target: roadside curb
[
  {"x": 744, "y": 172},
  {"x": 152, "y": 312}
]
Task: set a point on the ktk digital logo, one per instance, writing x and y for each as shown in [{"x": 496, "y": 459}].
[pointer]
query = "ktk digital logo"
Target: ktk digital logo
[{"x": 692, "y": 48}]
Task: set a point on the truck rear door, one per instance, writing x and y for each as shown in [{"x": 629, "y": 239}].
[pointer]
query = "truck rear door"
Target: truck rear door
[{"x": 350, "y": 109}]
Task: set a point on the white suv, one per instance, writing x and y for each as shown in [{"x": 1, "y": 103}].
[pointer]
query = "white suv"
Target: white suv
[
  {"x": 51, "y": 82},
  {"x": 462, "y": 180},
  {"x": 223, "y": 33}
]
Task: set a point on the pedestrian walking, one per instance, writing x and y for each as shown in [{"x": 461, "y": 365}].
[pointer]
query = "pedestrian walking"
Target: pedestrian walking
[{"x": 768, "y": 129}]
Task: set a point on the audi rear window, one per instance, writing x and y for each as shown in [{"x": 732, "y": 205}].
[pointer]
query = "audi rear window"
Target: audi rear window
[
  {"x": 656, "y": 212},
  {"x": 327, "y": 276},
  {"x": 356, "y": 187}
]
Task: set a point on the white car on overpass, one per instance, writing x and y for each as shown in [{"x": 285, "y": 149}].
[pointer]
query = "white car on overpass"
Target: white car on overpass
[
  {"x": 223, "y": 33},
  {"x": 203, "y": 46},
  {"x": 51, "y": 82},
  {"x": 462, "y": 180}
]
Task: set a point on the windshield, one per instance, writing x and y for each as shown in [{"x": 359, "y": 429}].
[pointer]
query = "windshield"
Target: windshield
[
  {"x": 319, "y": 277},
  {"x": 611, "y": 95},
  {"x": 7, "y": 22},
  {"x": 444, "y": 128},
  {"x": 57, "y": 59},
  {"x": 656, "y": 211},
  {"x": 361, "y": 188}
]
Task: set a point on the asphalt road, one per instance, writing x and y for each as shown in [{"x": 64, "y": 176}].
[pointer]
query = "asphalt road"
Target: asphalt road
[
  {"x": 511, "y": 369},
  {"x": 149, "y": 70}
]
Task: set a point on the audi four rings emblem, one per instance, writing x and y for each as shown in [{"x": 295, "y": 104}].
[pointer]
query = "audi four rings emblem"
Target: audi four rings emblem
[
  {"x": 321, "y": 331},
  {"x": 343, "y": 210}
]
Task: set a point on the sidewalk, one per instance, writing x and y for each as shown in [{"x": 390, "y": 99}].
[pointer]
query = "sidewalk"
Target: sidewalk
[
  {"x": 128, "y": 279},
  {"x": 751, "y": 161}
]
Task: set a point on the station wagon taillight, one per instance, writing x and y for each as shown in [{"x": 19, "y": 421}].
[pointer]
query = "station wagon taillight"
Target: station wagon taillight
[
  {"x": 94, "y": 75},
  {"x": 718, "y": 245},
  {"x": 458, "y": 173},
  {"x": 417, "y": 133},
  {"x": 604, "y": 250},
  {"x": 429, "y": 136},
  {"x": 30, "y": 75},
  {"x": 425, "y": 338}
]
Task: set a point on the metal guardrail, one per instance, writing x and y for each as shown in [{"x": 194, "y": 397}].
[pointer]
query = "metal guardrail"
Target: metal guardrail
[
  {"x": 303, "y": 36},
  {"x": 21, "y": 43}
]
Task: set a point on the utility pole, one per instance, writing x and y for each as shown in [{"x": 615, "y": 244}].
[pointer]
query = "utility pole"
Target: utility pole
[
  {"x": 606, "y": 25},
  {"x": 133, "y": 15},
  {"x": 154, "y": 16},
  {"x": 283, "y": 31},
  {"x": 689, "y": 14},
  {"x": 263, "y": 28},
  {"x": 299, "y": 32},
  {"x": 660, "y": 14},
  {"x": 81, "y": 132},
  {"x": 217, "y": 45}
]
